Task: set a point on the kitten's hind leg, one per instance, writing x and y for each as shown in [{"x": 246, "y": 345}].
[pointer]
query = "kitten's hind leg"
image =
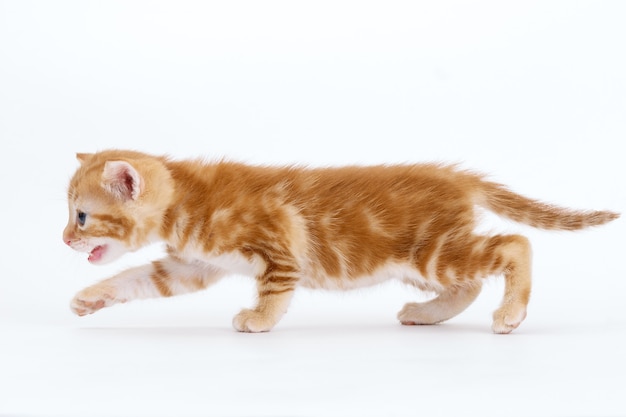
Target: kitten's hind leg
[
  {"x": 441, "y": 308},
  {"x": 515, "y": 257},
  {"x": 473, "y": 258},
  {"x": 163, "y": 278}
]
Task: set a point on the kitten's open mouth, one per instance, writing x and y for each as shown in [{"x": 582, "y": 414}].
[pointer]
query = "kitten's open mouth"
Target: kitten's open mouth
[{"x": 96, "y": 254}]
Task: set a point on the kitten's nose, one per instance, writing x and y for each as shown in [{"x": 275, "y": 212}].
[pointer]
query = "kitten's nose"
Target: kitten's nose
[{"x": 68, "y": 237}]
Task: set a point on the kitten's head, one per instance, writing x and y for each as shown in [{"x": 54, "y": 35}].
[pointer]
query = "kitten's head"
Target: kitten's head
[{"x": 116, "y": 200}]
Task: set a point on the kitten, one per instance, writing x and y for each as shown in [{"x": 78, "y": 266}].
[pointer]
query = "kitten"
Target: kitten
[{"x": 334, "y": 228}]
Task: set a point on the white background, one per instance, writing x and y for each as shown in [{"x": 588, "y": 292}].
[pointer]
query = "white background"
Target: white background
[{"x": 532, "y": 92}]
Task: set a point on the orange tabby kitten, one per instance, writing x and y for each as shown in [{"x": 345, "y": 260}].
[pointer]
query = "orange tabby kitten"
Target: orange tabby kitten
[{"x": 335, "y": 228}]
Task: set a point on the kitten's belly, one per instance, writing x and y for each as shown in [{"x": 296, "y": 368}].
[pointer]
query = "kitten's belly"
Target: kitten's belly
[
  {"x": 234, "y": 262},
  {"x": 316, "y": 279},
  {"x": 392, "y": 270}
]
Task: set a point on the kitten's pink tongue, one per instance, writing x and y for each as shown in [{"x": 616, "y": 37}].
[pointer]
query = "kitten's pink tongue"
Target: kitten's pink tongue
[{"x": 96, "y": 254}]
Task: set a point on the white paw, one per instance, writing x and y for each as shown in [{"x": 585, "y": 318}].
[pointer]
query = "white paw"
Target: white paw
[
  {"x": 90, "y": 300},
  {"x": 508, "y": 318},
  {"x": 251, "y": 321},
  {"x": 416, "y": 313}
]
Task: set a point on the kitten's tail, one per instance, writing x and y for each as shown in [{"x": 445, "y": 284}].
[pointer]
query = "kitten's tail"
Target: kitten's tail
[{"x": 503, "y": 202}]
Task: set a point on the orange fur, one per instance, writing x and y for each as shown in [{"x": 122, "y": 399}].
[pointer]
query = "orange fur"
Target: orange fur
[{"x": 336, "y": 228}]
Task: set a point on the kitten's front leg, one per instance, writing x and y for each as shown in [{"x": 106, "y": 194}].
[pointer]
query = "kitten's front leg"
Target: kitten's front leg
[
  {"x": 275, "y": 289},
  {"x": 131, "y": 284},
  {"x": 269, "y": 310},
  {"x": 163, "y": 278}
]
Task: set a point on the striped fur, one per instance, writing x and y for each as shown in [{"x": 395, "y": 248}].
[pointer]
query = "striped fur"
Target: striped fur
[{"x": 336, "y": 228}]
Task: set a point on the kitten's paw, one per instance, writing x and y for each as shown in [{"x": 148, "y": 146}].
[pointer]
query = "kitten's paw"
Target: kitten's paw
[
  {"x": 252, "y": 321},
  {"x": 90, "y": 300},
  {"x": 507, "y": 318},
  {"x": 416, "y": 314}
]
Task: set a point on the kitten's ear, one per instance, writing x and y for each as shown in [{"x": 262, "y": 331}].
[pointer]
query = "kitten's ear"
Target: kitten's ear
[
  {"x": 122, "y": 180},
  {"x": 83, "y": 157}
]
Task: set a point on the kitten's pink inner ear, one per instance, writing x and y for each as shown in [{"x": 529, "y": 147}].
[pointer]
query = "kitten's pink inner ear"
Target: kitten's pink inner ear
[{"x": 122, "y": 180}]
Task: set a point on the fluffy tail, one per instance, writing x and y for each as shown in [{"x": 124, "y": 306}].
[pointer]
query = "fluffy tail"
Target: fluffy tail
[{"x": 503, "y": 202}]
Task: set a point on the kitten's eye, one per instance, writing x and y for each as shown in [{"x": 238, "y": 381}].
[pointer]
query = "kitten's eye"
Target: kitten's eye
[{"x": 81, "y": 218}]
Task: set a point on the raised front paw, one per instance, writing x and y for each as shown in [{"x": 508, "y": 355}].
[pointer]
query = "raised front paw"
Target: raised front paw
[
  {"x": 92, "y": 299},
  {"x": 252, "y": 321}
]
